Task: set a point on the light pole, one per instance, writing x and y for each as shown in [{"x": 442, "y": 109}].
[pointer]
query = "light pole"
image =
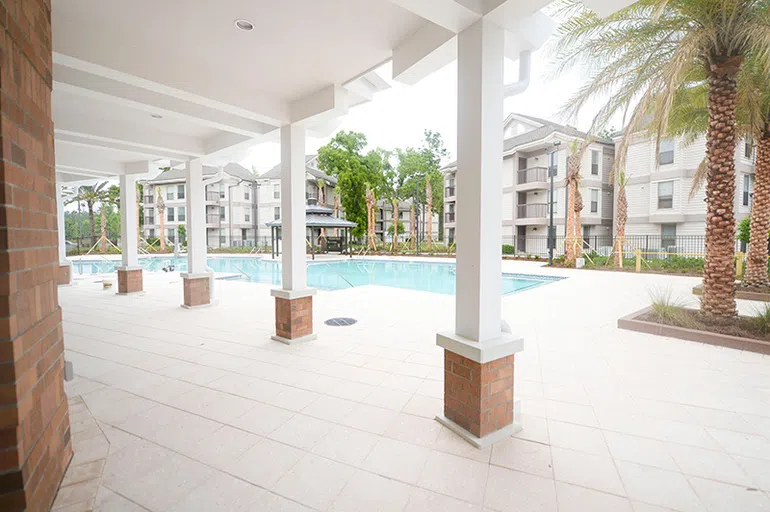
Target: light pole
[{"x": 552, "y": 167}]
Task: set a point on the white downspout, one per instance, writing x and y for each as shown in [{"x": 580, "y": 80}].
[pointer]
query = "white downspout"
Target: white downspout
[
  {"x": 525, "y": 68},
  {"x": 215, "y": 179}
]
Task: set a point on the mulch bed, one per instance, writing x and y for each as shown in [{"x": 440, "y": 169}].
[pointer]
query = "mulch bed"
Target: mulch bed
[{"x": 741, "y": 326}]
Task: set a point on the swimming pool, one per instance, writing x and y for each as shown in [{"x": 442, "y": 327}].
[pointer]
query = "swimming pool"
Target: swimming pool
[{"x": 437, "y": 277}]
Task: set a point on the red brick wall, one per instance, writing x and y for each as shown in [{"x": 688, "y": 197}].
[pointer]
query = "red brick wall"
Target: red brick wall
[
  {"x": 478, "y": 397},
  {"x": 130, "y": 281},
  {"x": 34, "y": 423},
  {"x": 293, "y": 318},
  {"x": 196, "y": 292},
  {"x": 64, "y": 274}
]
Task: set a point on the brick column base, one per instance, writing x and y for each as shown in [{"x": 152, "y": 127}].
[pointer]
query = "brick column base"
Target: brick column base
[
  {"x": 478, "y": 388},
  {"x": 293, "y": 316},
  {"x": 130, "y": 280},
  {"x": 64, "y": 276},
  {"x": 197, "y": 291}
]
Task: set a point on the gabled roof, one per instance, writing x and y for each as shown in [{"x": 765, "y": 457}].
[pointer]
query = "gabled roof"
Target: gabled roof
[
  {"x": 275, "y": 172},
  {"x": 545, "y": 129},
  {"x": 235, "y": 170}
]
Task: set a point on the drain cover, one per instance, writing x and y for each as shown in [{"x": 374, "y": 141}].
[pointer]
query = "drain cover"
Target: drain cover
[{"x": 340, "y": 322}]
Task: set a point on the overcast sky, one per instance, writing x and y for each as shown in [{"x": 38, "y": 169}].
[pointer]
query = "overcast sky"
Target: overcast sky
[{"x": 397, "y": 117}]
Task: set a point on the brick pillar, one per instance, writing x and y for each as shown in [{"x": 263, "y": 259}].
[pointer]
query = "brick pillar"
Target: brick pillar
[
  {"x": 35, "y": 445},
  {"x": 293, "y": 316},
  {"x": 197, "y": 290},
  {"x": 130, "y": 280}
]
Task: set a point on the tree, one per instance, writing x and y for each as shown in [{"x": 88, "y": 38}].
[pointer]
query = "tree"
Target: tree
[
  {"x": 646, "y": 53},
  {"x": 91, "y": 195},
  {"x": 342, "y": 158},
  {"x": 621, "y": 217},
  {"x": 370, "y": 218},
  {"x": 181, "y": 231},
  {"x": 573, "y": 240}
]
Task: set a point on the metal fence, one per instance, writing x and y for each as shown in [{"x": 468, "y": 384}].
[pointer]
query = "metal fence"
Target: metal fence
[{"x": 652, "y": 246}]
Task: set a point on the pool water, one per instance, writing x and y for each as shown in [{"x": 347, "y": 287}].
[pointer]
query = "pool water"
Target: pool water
[{"x": 434, "y": 277}]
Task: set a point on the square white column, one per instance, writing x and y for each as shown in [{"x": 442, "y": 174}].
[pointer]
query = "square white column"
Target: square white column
[
  {"x": 479, "y": 174},
  {"x": 60, "y": 224},
  {"x": 293, "y": 227},
  {"x": 196, "y": 219},
  {"x": 128, "y": 229}
]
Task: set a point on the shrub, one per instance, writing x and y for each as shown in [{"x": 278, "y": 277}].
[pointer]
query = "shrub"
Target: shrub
[
  {"x": 664, "y": 306},
  {"x": 508, "y": 249}
]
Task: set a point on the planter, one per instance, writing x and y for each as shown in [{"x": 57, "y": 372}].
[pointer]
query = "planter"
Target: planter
[
  {"x": 632, "y": 322},
  {"x": 739, "y": 294}
]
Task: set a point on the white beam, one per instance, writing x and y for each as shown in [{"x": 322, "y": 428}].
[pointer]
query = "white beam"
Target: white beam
[
  {"x": 265, "y": 110},
  {"x": 427, "y": 50},
  {"x": 152, "y": 102},
  {"x": 114, "y": 170},
  {"x": 453, "y": 15},
  {"x": 606, "y": 7},
  {"x": 74, "y": 140},
  {"x": 102, "y": 130},
  {"x": 224, "y": 142},
  {"x": 196, "y": 219},
  {"x": 319, "y": 106},
  {"x": 293, "y": 225}
]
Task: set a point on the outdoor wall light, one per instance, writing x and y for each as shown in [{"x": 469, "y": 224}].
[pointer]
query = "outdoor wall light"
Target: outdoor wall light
[{"x": 244, "y": 25}]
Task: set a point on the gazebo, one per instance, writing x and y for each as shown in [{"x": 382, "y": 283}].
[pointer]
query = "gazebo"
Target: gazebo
[{"x": 317, "y": 219}]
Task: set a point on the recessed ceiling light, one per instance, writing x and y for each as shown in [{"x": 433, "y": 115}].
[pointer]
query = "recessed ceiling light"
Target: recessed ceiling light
[
  {"x": 244, "y": 25},
  {"x": 156, "y": 116}
]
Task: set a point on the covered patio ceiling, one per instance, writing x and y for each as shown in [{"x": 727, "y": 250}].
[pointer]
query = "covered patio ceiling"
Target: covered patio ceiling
[{"x": 177, "y": 80}]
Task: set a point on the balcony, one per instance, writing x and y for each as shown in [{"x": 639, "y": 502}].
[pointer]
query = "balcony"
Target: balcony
[
  {"x": 149, "y": 221},
  {"x": 449, "y": 191},
  {"x": 212, "y": 196},
  {"x": 149, "y": 199},
  {"x": 213, "y": 219},
  {"x": 532, "y": 178},
  {"x": 529, "y": 214},
  {"x": 449, "y": 217}
]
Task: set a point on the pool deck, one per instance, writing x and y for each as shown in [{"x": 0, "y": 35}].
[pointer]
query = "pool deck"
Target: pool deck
[{"x": 178, "y": 410}]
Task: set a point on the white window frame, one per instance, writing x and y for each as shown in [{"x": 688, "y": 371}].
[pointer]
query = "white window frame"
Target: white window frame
[
  {"x": 667, "y": 147},
  {"x": 170, "y": 214},
  {"x": 659, "y": 207},
  {"x": 276, "y": 190},
  {"x": 596, "y": 166},
  {"x": 596, "y": 202}
]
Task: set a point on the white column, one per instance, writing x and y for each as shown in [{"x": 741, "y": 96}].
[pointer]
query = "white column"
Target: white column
[
  {"x": 60, "y": 224},
  {"x": 293, "y": 258},
  {"x": 128, "y": 247},
  {"x": 479, "y": 174},
  {"x": 196, "y": 218}
]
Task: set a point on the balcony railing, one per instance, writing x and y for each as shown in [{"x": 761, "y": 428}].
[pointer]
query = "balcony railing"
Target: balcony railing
[
  {"x": 532, "y": 175},
  {"x": 212, "y": 196},
  {"x": 449, "y": 191},
  {"x": 450, "y": 216},
  {"x": 213, "y": 218},
  {"x": 532, "y": 211}
]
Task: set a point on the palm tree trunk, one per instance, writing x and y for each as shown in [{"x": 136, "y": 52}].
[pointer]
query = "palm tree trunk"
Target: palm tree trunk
[
  {"x": 756, "y": 270},
  {"x": 162, "y": 230},
  {"x": 429, "y": 211},
  {"x": 394, "y": 244},
  {"x": 622, "y": 217},
  {"x": 91, "y": 219},
  {"x": 569, "y": 241},
  {"x": 103, "y": 239},
  {"x": 719, "y": 269}
]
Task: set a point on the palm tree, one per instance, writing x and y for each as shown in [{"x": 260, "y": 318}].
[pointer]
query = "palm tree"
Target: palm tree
[
  {"x": 429, "y": 211},
  {"x": 645, "y": 54},
  {"x": 371, "y": 202},
  {"x": 574, "y": 238},
  {"x": 91, "y": 195},
  {"x": 160, "y": 205},
  {"x": 621, "y": 216}
]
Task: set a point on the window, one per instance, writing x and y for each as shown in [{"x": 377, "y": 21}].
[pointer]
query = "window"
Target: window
[
  {"x": 665, "y": 195},
  {"x": 221, "y": 191},
  {"x": 171, "y": 234},
  {"x": 222, "y": 213},
  {"x": 247, "y": 214},
  {"x": 222, "y": 240},
  {"x": 594, "y": 200},
  {"x": 555, "y": 202},
  {"x": 180, "y": 214},
  {"x": 667, "y": 236},
  {"x": 748, "y": 148},
  {"x": 522, "y": 163},
  {"x": 170, "y": 214},
  {"x": 276, "y": 191},
  {"x": 666, "y": 153},
  {"x": 180, "y": 192},
  {"x": 553, "y": 164},
  {"x": 277, "y": 213},
  {"x": 247, "y": 193},
  {"x": 748, "y": 189},
  {"x": 451, "y": 182},
  {"x": 151, "y": 233},
  {"x": 169, "y": 193},
  {"x": 595, "y": 157}
]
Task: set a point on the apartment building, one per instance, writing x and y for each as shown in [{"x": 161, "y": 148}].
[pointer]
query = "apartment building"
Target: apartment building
[
  {"x": 528, "y": 155},
  {"x": 230, "y": 205},
  {"x": 269, "y": 201},
  {"x": 659, "y": 184}
]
